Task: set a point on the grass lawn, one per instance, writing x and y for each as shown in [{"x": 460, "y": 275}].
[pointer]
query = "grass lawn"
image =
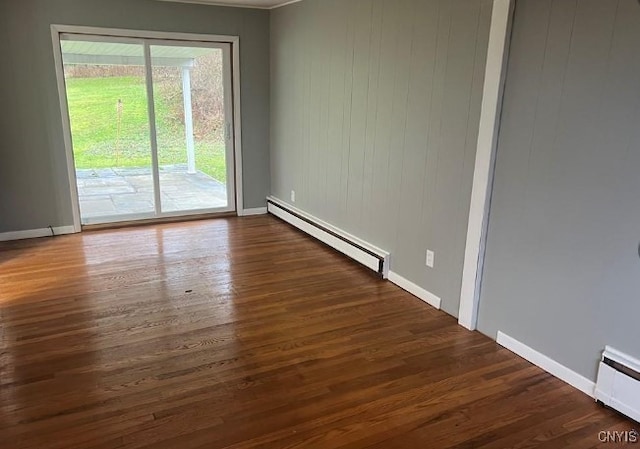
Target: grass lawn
[{"x": 93, "y": 108}]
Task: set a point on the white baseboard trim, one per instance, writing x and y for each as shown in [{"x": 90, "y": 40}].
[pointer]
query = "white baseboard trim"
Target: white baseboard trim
[
  {"x": 549, "y": 365},
  {"x": 415, "y": 290},
  {"x": 252, "y": 212},
  {"x": 36, "y": 233},
  {"x": 363, "y": 252}
]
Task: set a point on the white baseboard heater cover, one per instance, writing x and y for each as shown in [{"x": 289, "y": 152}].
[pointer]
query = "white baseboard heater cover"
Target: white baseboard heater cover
[
  {"x": 363, "y": 252},
  {"x": 618, "y": 384}
]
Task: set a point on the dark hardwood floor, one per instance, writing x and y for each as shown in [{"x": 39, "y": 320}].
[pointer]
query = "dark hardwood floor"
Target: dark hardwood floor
[{"x": 244, "y": 333}]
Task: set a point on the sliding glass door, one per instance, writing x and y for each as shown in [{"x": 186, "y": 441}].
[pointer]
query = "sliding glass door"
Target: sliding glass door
[
  {"x": 191, "y": 122},
  {"x": 151, "y": 127}
]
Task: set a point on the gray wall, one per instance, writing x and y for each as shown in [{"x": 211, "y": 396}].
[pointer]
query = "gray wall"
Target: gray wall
[
  {"x": 34, "y": 190},
  {"x": 374, "y": 120},
  {"x": 562, "y": 269}
]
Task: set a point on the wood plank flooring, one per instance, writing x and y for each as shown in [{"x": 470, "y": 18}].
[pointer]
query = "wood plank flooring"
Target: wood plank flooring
[{"x": 244, "y": 333}]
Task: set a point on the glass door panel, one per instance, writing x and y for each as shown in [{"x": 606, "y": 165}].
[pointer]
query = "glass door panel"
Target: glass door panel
[
  {"x": 193, "y": 122},
  {"x": 109, "y": 118}
]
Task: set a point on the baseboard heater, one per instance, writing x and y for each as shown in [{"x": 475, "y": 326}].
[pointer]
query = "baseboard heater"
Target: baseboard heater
[
  {"x": 363, "y": 252},
  {"x": 618, "y": 384}
]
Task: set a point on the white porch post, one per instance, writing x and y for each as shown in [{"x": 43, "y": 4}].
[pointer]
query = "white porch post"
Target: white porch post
[{"x": 188, "y": 120}]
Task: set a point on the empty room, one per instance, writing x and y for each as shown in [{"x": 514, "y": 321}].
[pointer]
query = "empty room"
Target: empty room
[{"x": 331, "y": 224}]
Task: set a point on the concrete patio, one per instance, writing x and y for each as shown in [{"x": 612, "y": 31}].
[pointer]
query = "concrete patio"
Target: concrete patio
[{"x": 125, "y": 191}]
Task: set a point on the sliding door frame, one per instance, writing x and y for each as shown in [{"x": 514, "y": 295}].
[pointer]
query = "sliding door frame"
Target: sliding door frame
[{"x": 147, "y": 39}]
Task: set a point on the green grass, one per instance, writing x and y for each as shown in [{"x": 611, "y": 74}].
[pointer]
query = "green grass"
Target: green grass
[{"x": 94, "y": 126}]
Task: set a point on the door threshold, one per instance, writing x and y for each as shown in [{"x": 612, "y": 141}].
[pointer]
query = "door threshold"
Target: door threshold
[{"x": 156, "y": 221}]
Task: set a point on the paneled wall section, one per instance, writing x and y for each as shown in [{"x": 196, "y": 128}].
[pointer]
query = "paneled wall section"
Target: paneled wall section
[
  {"x": 374, "y": 122},
  {"x": 562, "y": 272}
]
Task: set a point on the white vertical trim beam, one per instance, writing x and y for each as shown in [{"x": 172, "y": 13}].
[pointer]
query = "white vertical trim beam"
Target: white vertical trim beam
[
  {"x": 497, "y": 56},
  {"x": 153, "y": 131},
  {"x": 188, "y": 120}
]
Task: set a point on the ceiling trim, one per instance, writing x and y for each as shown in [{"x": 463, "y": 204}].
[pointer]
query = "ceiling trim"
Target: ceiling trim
[{"x": 213, "y": 3}]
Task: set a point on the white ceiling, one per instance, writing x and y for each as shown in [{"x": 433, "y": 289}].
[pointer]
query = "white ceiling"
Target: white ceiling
[{"x": 264, "y": 4}]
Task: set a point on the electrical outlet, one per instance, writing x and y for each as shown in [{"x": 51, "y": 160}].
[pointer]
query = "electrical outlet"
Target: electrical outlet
[
  {"x": 431, "y": 259},
  {"x": 293, "y": 196}
]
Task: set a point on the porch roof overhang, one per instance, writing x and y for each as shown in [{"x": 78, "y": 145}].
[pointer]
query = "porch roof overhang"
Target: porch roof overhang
[{"x": 106, "y": 53}]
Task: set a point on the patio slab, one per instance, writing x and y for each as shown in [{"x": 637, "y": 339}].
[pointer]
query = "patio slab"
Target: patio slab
[
  {"x": 97, "y": 207},
  {"x": 125, "y": 191}
]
